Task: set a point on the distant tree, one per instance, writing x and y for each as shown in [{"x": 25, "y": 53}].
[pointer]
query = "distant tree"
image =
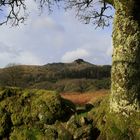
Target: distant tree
[
  {"x": 11, "y": 75},
  {"x": 125, "y": 89}
]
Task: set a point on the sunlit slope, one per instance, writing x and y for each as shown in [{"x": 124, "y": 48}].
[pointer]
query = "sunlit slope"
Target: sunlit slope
[{"x": 77, "y": 76}]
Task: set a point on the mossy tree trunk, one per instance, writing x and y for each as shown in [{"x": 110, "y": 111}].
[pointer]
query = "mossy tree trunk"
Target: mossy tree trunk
[{"x": 125, "y": 88}]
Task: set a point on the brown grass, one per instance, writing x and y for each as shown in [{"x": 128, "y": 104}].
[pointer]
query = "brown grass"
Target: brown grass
[{"x": 83, "y": 98}]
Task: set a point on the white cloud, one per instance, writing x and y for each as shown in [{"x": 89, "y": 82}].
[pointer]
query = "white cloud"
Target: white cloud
[
  {"x": 28, "y": 58},
  {"x": 23, "y": 58},
  {"x": 10, "y": 54},
  {"x": 47, "y": 23},
  {"x": 50, "y": 38},
  {"x": 4, "y": 48},
  {"x": 44, "y": 22},
  {"x": 72, "y": 55}
]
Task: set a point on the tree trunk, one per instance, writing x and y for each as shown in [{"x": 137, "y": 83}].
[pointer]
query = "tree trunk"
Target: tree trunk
[{"x": 125, "y": 76}]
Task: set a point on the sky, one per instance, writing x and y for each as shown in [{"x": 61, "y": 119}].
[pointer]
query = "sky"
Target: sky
[{"x": 55, "y": 37}]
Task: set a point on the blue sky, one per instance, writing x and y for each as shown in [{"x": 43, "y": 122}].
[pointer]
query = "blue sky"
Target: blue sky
[{"x": 58, "y": 37}]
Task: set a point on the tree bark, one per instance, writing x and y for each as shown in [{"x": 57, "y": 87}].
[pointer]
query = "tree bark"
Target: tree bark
[{"x": 125, "y": 75}]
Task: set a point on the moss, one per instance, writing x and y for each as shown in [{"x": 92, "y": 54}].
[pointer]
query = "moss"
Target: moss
[
  {"x": 31, "y": 119},
  {"x": 81, "y": 128},
  {"x": 25, "y": 133},
  {"x": 16, "y": 119},
  {"x": 30, "y": 110},
  {"x": 115, "y": 126},
  {"x": 5, "y": 122},
  {"x": 57, "y": 131},
  {"x": 41, "y": 109},
  {"x": 49, "y": 107},
  {"x": 51, "y": 133}
]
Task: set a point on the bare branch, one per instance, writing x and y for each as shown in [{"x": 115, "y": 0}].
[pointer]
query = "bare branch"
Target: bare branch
[
  {"x": 88, "y": 11},
  {"x": 12, "y": 11},
  {"x": 93, "y": 11}
]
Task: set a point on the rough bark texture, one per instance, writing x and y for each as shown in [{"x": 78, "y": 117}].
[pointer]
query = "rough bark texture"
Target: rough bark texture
[{"x": 125, "y": 89}]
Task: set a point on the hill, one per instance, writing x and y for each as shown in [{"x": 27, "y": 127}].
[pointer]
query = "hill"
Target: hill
[{"x": 79, "y": 76}]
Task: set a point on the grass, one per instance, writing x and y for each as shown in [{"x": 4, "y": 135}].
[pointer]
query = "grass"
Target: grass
[{"x": 84, "y": 98}]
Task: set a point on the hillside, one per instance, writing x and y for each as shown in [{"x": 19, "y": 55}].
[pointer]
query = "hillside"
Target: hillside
[{"x": 78, "y": 76}]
